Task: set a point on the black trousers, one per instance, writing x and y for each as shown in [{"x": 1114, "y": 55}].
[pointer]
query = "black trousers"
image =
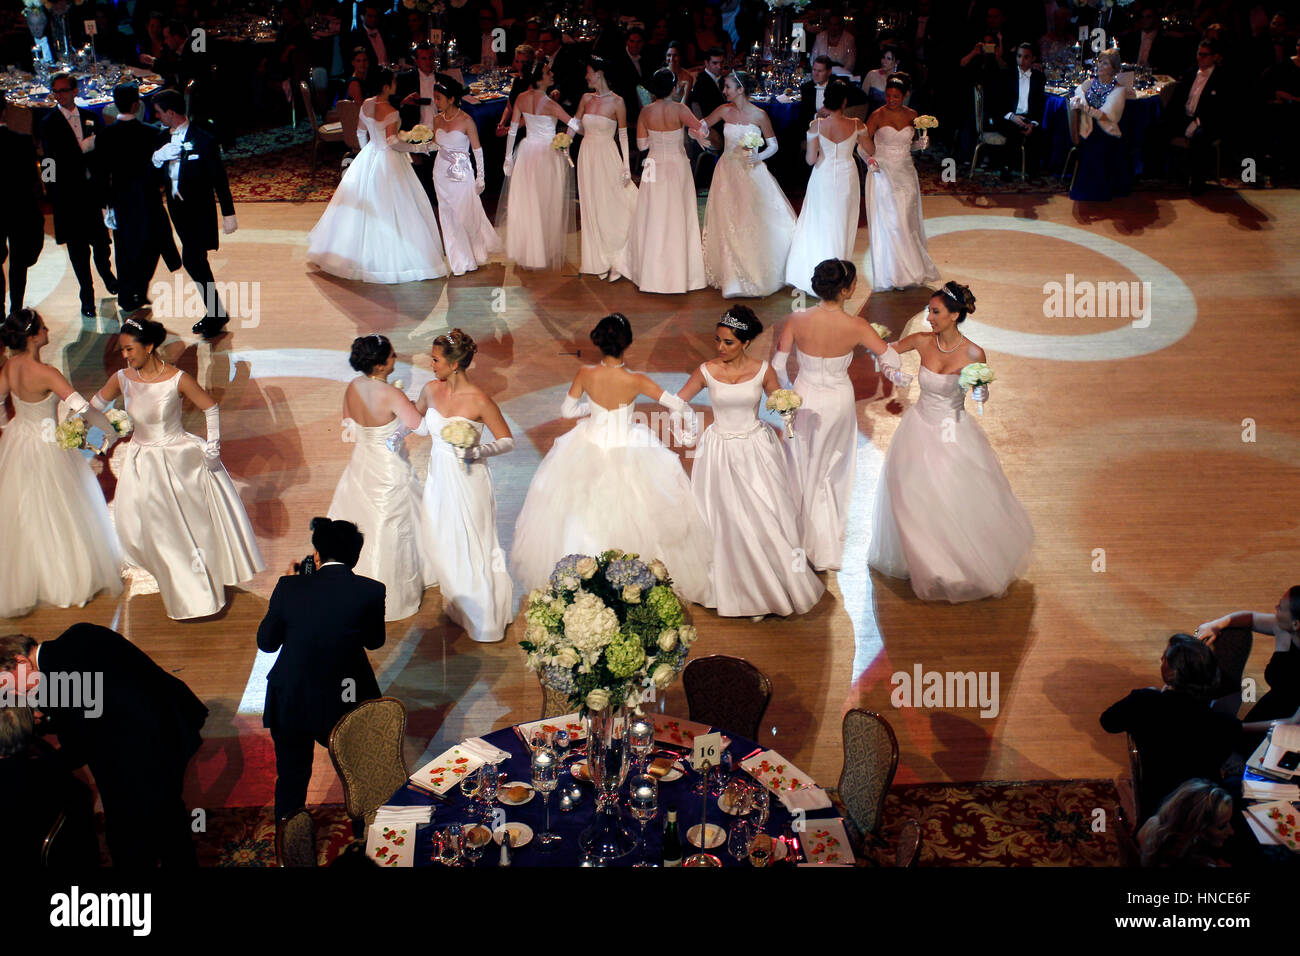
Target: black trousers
[
  {"x": 1015, "y": 136},
  {"x": 194, "y": 259},
  {"x": 79, "y": 253},
  {"x": 423, "y": 167},
  {"x": 293, "y": 760},
  {"x": 146, "y": 822},
  {"x": 17, "y": 276}
]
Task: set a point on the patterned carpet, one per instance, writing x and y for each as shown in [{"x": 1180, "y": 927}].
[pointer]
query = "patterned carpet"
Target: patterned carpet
[{"x": 1044, "y": 823}]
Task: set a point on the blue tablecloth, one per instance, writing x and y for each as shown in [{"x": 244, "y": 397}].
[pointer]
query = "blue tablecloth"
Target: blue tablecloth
[
  {"x": 1140, "y": 116},
  {"x": 571, "y": 824}
]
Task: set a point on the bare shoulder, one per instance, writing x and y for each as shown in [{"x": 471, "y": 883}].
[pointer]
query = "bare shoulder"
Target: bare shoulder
[{"x": 975, "y": 352}]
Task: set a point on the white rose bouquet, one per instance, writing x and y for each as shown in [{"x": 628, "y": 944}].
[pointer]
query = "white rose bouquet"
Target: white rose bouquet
[
  {"x": 120, "y": 421},
  {"x": 71, "y": 433},
  {"x": 461, "y": 436},
  {"x": 785, "y": 402},
  {"x": 561, "y": 143},
  {"x": 419, "y": 133},
  {"x": 976, "y": 376}
]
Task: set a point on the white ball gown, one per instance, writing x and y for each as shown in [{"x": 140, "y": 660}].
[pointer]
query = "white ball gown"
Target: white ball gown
[
  {"x": 663, "y": 251},
  {"x": 748, "y": 223},
  {"x": 823, "y": 455},
  {"x": 61, "y": 545},
  {"x": 607, "y": 202},
  {"x": 460, "y": 521},
  {"x": 467, "y": 232},
  {"x": 742, "y": 487},
  {"x": 945, "y": 514},
  {"x": 899, "y": 258},
  {"x": 380, "y": 494},
  {"x": 178, "y": 514},
  {"x": 538, "y": 199},
  {"x": 828, "y": 220},
  {"x": 609, "y": 483},
  {"x": 379, "y": 225}
]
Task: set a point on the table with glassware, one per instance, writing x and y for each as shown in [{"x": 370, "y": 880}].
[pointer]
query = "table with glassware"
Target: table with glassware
[
  {"x": 533, "y": 785},
  {"x": 95, "y": 90}
]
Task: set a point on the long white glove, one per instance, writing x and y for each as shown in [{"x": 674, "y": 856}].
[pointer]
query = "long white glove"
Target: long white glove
[
  {"x": 508, "y": 166},
  {"x": 94, "y": 415},
  {"x": 574, "y": 126},
  {"x": 769, "y": 151},
  {"x": 689, "y": 429},
  {"x": 922, "y": 141},
  {"x": 575, "y": 407},
  {"x": 479, "y": 182},
  {"x": 890, "y": 358},
  {"x": 489, "y": 450},
  {"x": 394, "y": 441},
  {"x": 4, "y": 411},
  {"x": 781, "y": 363},
  {"x": 402, "y": 146},
  {"x": 212, "y": 447},
  {"x": 165, "y": 154},
  {"x": 868, "y": 159},
  {"x": 643, "y": 143},
  {"x": 363, "y": 138},
  {"x": 627, "y": 155}
]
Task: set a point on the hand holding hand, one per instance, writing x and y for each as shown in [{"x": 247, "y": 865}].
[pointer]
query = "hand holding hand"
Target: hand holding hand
[
  {"x": 1207, "y": 633},
  {"x": 625, "y": 177}
]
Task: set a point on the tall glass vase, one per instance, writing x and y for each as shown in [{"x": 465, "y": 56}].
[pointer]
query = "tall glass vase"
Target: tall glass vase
[{"x": 608, "y": 838}]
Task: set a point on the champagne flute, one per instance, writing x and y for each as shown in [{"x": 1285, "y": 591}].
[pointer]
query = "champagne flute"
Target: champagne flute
[
  {"x": 641, "y": 739},
  {"x": 546, "y": 775},
  {"x": 643, "y": 801}
]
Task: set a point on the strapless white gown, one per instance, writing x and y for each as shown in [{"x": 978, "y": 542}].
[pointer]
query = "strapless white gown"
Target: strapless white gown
[
  {"x": 609, "y": 483},
  {"x": 538, "y": 199},
  {"x": 742, "y": 487},
  {"x": 178, "y": 514},
  {"x": 380, "y": 494},
  {"x": 945, "y": 514},
  {"x": 467, "y": 232},
  {"x": 828, "y": 219},
  {"x": 59, "y": 544},
  {"x": 748, "y": 223},
  {"x": 460, "y": 524},
  {"x": 899, "y": 257},
  {"x": 607, "y": 202}
]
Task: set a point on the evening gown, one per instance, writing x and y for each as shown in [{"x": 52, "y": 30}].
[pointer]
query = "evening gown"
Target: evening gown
[
  {"x": 899, "y": 258},
  {"x": 467, "y": 232},
  {"x": 178, "y": 514},
  {"x": 538, "y": 199},
  {"x": 460, "y": 523},
  {"x": 610, "y": 483},
  {"x": 61, "y": 545},
  {"x": 748, "y": 223},
  {"x": 1105, "y": 168},
  {"x": 828, "y": 220},
  {"x": 945, "y": 515},
  {"x": 742, "y": 487},
  {"x": 379, "y": 225},
  {"x": 607, "y": 202},
  {"x": 380, "y": 494}
]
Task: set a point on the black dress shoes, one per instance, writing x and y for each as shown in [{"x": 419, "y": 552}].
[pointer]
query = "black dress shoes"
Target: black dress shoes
[
  {"x": 209, "y": 328},
  {"x": 88, "y": 312},
  {"x": 111, "y": 285}
]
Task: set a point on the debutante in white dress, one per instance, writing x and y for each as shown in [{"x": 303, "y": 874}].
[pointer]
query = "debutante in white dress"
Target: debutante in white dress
[
  {"x": 663, "y": 251},
  {"x": 748, "y": 223},
  {"x": 380, "y": 494},
  {"x": 607, "y": 202},
  {"x": 538, "y": 199},
  {"x": 378, "y": 226},
  {"x": 610, "y": 483},
  {"x": 828, "y": 220},
  {"x": 60, "y": 546},
  {"x": 823, "y": 455},
  {"x": 467, "y": 232},
  {"x": 899, "y": 258},
  {"x": 178, "y": 514},
  {"x": 743, "y": 489},
  {"x": 945, "y": 514},
  {"x": 460, "y": 525}
]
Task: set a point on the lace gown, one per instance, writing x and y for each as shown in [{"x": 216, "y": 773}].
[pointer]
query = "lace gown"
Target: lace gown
[
  {"x": 748, "y": 223},
  {"x": 742, "y": 487},
  {"x": 467, "y": 232},
  {"x": 60, "y": 544},
  {"x": 609, "y": 483},
  {"x": 945, "y": 514},
  {"x": 378, "y": 226},
  {"x": 899, "y": 258},
  {"x": 828, "y": 220},
  {"x": 178, "y": 514},
  {"x": 460, "y": 523},
  {"x": 538, "y": 199},
  {"x": 823, "y": 455},
  {"x": 663, "y": 251},
  {"x": 607, "y": 202},
  {"x": 379, "y": 493}
]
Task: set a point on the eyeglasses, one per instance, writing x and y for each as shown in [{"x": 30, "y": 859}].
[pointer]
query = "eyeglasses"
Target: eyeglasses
[{"x": 66, "y": 89}]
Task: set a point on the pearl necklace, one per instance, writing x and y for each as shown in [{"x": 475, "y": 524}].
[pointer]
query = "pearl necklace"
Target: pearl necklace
[
  {"x": 162, "y": 368},
  {"x": 619, "y": 365},
  {"x": 939, "y": 345}
]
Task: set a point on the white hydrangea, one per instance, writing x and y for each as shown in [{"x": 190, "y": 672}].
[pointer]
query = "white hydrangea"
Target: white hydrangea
[{"x": 589, "y": 625}]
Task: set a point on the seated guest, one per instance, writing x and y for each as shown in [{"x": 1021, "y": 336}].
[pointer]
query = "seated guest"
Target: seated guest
[
  {"x": 1177, "y": 734},
  {"x": 179, "y": 62},
  {"x": 1021, "y": 103},
  {"x": 1274, "y": 47},
  {"x": 150, "y": 44},
  {"x": 1199, "y": 109},
  {"x": 1105, "y": 169},
  {"x": 359, "y": 88},
  {"x": 709, "y": 34},
  {"x": 1146, "y": 44},
  {"x": 484, "y": 52},
  {"x": 1278, "y": 126},
  {"x": 1190, "y": 828},
  {"x": 380, "y": 45},
  {"x": 873, "y": 84},
  {"x": 837, "y": 43}
]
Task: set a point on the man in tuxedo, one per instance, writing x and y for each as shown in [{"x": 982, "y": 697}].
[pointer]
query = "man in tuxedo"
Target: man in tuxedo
[
  {"x": 1019, "y": 106},
  {"x": 22, "y": 224},
  {"x": 379, "y": 43},
  {"x": 1198, "y": 111},
  {"x": 68, "y": 140},
  {"x": 133, "y": 199},
  {"x": 570, "y": 80},
  {"x": 704, "y": 98},
  {"x": 629, "y": 70},
  {"x": 414, "y": 101},
  {"x": 1146, "y": 44},
  {"x": 322, "y": 623},
  {"x": 195, "y": 181},
  {"x": 812, "y": 93},
  {"x": 134, "y": 725}
]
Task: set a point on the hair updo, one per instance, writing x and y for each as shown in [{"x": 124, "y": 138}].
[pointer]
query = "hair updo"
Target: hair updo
[
  {"x": 598, "y": 64},
  {"x": 532, "y": 72},
  {"x": 612, "y": 334},
  {"x": 662, "y": 84},
  {"x": 833, "y": 276},
  {"x": 743, "y": 323},
  {"x": 382, "y": 76},
  {"x": 957, "y": 297},
  {"x": 448, "y": 87},
  {"x": 145, "y": 331},
  {"x": 899, "y": 81},
  {"x": 369, "y": 351},
  {"x": 746, "y": 81},
  {"x": 457, "y": 347},
  {"x": 836, "y": 95},
  {"x": 19, "y": 327}
]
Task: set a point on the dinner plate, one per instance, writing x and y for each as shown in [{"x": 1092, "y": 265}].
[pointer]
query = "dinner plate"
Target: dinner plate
[
  {"x": 676, "y": 772},
  {"x": 521, "y": 834},
  {"x": 580, "y": 771},
  {"x": 501, "y": 793},
  {"x": 717, "y": 836}
]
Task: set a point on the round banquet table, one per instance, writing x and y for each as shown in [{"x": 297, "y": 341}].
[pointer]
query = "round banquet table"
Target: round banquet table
[
  {"x": 1140, "y": 116},
  {"x": 569, "y": 825}
]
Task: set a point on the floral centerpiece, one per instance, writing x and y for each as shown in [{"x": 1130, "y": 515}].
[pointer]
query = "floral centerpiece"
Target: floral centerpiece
[
  {"x": 976, "y": 376},
  {"x": 785, "y": 402}
]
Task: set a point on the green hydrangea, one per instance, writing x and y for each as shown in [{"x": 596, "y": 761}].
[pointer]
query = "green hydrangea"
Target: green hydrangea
[
  {"x": 546, "y": 613},
  {"x": 664, "y": 602},
  {"x": 624, "y": 657}
]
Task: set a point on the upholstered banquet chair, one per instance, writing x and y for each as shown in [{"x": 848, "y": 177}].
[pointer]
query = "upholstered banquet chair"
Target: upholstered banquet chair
[
  {"x": 366, "y": 747},
  {"x": 322, "y": 132},
  {"x": 295, "y": 840},
  {"x": 908, "y": 849},
  {"x": 870, "y": 762},
  {"x": 728, "y": 693}
]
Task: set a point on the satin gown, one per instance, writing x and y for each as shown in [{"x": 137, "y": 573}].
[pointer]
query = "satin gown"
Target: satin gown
[
  {"x": 178, "y": 514},
  {"x": 899, "y": 258},
  {"x": 460, "y": 525},
  {"x": 748, "y": 223},
  {"x": 607, "y": 202},
  {"x": 742, "y": 488},
  {"x": 379, "y": 493},
  {"x": 828, "y": 220},
  {"x": 467, "y": 232},
  {"x": 945, "y": 514},
  {"x": 539, "y": 199},
  {"x": 610, "y": 483},
  {"x": 60, "y": 544}
]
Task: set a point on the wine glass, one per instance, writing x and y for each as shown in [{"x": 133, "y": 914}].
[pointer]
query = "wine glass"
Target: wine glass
[
  {"x": 641, "y": 739},
  {"x": 643, "y": 801},
  {"x": 725, "y": 768},
  {"x": 739, "y": 838},
  {"x": 471, "y": 787},
  {"x": 546, "y": 774},
  {"x": 760, "y": 806},
  {"x": 488, "y": 788},
  {"x": 761, "y": 849}
]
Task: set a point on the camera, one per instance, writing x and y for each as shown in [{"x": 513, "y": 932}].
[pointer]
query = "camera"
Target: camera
[{"x": 307, "y": 565}]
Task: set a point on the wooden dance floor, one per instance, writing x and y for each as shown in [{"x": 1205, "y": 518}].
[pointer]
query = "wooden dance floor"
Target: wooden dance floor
[{"x": 1160, "y": 463}]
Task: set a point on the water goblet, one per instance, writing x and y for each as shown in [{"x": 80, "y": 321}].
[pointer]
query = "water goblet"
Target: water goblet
[
  {"x": 641, "y": 739},
  {"x": 546, "y": 775},
  {"x": 725, "y": 767},
  {"x": 447, "y": 845},
  {"x": 760, "y": 806},
  {"x": 643, "y": 801},
  {"x": 560, "y": 744}
]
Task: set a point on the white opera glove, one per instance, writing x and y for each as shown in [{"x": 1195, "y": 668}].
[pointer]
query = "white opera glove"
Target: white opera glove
[
  {"x": 689, "y": 429},
  {"x": 363, "y": 138},
  {"x": 627, "y": 155},
  {"x": 508, "y": 166},
  {"x": 76, "y": 403},
  {"x": 781, "y": 363},
  {"x": 643, "y": 143},
  {"x": 94, "y": 415},
  {"x": 4, "y": 411},
  {"x": 398, "y": 145},
  {"x": 890, "y": 358},
  {"x": 479, "y": 182},
  {"x": 489, "y": 450},
  {"x": 703, "y": 130},
  {"x": 921, "y": 142},
  {"x": 165, "y": 154},
  {"x": 574, "y": 126},
  {"x": 575, "y": 407},
  {"x": 769, "y": 151},
  {"x": 101, "y": 404},
  {"x": 212, "y": 447}
]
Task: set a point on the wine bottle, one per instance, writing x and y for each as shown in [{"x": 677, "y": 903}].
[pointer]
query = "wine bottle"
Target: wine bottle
[{"x": 672, "y": 855}]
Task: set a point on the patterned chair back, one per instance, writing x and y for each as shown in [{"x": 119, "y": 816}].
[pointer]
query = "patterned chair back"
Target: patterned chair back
[
  {"x": 728, "y": 693},
  {"x": 295, "y": 840},
  {"x": 870, "y": 762},
  {"x": 366, "y": 747}
]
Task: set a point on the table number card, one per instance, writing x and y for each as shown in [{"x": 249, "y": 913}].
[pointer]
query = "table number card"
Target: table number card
[
  {"x": 707, "y": 749},
  {"x": 90, "y": 26}
]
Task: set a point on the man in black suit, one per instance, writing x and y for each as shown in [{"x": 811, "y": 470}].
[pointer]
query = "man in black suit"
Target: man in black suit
[
  {"x": 812, "y": 93},
  {"x": 134, "y": 725},
  {"x": 1146, "y": 44},
  {"x": 133, "y": 199},
  {"x": 704, "y": 98},
  {"x": 629, "y": 70},
  {"x": 379, "y": 43},
  {"x": 569, "y": 74},
  {"x": 195, "y": 180},
  {"x": 322, "y": 623},
  {"x": 414, "y": 101},
  {"x": 22, "y": 224},
  {"x": 68, "y": 140},
  {"x": 1199, "y": 109},
  {"x": 1019, "y": 105}
]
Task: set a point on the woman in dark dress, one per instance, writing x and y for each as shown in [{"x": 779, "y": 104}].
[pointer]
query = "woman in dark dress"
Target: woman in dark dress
[{"x": 1105, "y": 169}]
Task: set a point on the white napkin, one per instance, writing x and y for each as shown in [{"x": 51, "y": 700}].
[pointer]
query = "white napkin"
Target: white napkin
[
  {"x": 408, "y": 814},
  {"x": 812, "y": 798},
  {"x": 447, "y": 769},
  {"x": 470, "y": 99},
  {"x": 782, "y": 98},
  {"x": 390, "y": 840},
  {"x": 484, "y": 751},
  {"x": 1267, "y": 790}
]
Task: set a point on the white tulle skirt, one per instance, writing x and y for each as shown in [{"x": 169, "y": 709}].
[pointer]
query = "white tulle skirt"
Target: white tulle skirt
[{"x": 748, "y": 225}]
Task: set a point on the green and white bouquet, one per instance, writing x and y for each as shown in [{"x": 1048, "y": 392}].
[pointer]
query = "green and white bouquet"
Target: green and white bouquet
[
  {"x": 883, "y": 331},
  {"x": 120, "y": 421},
  {"x": 976, "y": 376},
  {"x": 71, "y": 433},
  {"x": 461, "y": 436},
  {"x": 785, "y": 402},
  {"x": 608, "y": 631}
]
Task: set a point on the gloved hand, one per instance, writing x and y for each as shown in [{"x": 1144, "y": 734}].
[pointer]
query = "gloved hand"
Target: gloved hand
[
  {"x": 167, "y": 153},
  {"x": 228, "y": 224}
]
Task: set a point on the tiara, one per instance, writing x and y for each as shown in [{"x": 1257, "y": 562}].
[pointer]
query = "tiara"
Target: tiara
[
  {"x": 31, "y": 324},
  {"x": 731, "y": 322},
  {"x": 135, "y": 323}
]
